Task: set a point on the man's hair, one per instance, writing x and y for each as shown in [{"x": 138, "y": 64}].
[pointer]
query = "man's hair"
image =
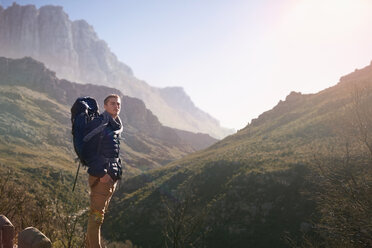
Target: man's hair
[{"x": 110, "y": 96}]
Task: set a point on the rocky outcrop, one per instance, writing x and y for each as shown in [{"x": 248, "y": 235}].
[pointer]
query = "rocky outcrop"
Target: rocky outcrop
[
  {"x": 7, "y": 232},
  {"x": 73, "y": 50},
  {"x": 31, "y": 237}
]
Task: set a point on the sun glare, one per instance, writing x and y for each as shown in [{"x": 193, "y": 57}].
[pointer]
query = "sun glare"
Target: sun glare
[{"x": 326, "y": 16}]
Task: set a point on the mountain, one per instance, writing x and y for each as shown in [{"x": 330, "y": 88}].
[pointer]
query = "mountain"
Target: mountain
[
  {"x": 35, "y": 121},
  {"x": 74, "y": 51},
  {"x": 287, "y": 176}
]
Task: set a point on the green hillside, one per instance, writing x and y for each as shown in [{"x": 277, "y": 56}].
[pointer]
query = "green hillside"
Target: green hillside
[
  {"x": 27, "y": 137},
  {"x": 276, "y": 183},
  {"x": 30, "y": 146}
]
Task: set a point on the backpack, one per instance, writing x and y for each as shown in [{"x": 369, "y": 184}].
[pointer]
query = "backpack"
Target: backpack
[{"x": 84, "y": 110}]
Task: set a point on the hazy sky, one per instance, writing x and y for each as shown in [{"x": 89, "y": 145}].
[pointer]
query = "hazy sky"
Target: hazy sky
[{"x": 235, "y": 58}]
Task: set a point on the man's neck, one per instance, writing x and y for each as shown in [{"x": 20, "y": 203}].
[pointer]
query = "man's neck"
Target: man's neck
[{"x": 113, "y": 116}]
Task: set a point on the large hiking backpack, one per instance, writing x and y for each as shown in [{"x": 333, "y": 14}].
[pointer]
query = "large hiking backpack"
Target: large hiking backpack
[{"x": 83, "y": 111}]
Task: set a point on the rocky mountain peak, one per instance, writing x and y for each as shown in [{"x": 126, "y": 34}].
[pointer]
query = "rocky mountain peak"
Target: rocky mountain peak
[
  {"x": 84, "y": 25},
  {"x": 293, "y": 96}
]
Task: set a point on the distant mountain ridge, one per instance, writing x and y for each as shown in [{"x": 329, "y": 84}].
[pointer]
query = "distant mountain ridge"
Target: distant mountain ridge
[
  {"x": 148, "y": 143},
  {"x": 73, "y": 50}
]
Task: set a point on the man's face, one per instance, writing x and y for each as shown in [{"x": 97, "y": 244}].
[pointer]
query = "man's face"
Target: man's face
[{"x": 113, "y": 106}]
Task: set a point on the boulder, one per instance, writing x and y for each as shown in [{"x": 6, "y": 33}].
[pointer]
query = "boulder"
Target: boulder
[
  {"x": 31, "y": 237},
  {"x": 6, "y": 232}
]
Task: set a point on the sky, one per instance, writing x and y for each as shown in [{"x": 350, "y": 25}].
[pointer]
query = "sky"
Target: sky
[{"x": 234, "y": 58}]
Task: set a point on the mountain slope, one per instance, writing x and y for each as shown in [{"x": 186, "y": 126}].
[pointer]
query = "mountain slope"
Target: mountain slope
[
  {"x": 73, "y": 50},
  {"x": 250, "y": 185},
  {"x": 27, "y": 136},
  {"x": 28, "y": 86}
]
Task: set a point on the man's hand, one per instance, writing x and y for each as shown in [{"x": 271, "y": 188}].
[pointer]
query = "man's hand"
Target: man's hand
[{"x": 106, "y": 179}]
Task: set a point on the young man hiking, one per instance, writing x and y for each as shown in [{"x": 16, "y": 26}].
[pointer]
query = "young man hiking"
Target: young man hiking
[{"x": 101, "y": 154}]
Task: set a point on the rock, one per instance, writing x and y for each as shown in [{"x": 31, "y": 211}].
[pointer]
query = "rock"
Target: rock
[
  {"x": 31, "y": 237},
  {"x": 7, "y": 232},
  {"x": 293, "y": 96}
]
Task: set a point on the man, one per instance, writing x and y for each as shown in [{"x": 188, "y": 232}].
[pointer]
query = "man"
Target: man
[{"x": 101, "y": 153}]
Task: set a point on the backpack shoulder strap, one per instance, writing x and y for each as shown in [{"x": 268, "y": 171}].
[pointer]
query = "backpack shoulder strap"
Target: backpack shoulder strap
[{"x": 96, "y": 131}]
